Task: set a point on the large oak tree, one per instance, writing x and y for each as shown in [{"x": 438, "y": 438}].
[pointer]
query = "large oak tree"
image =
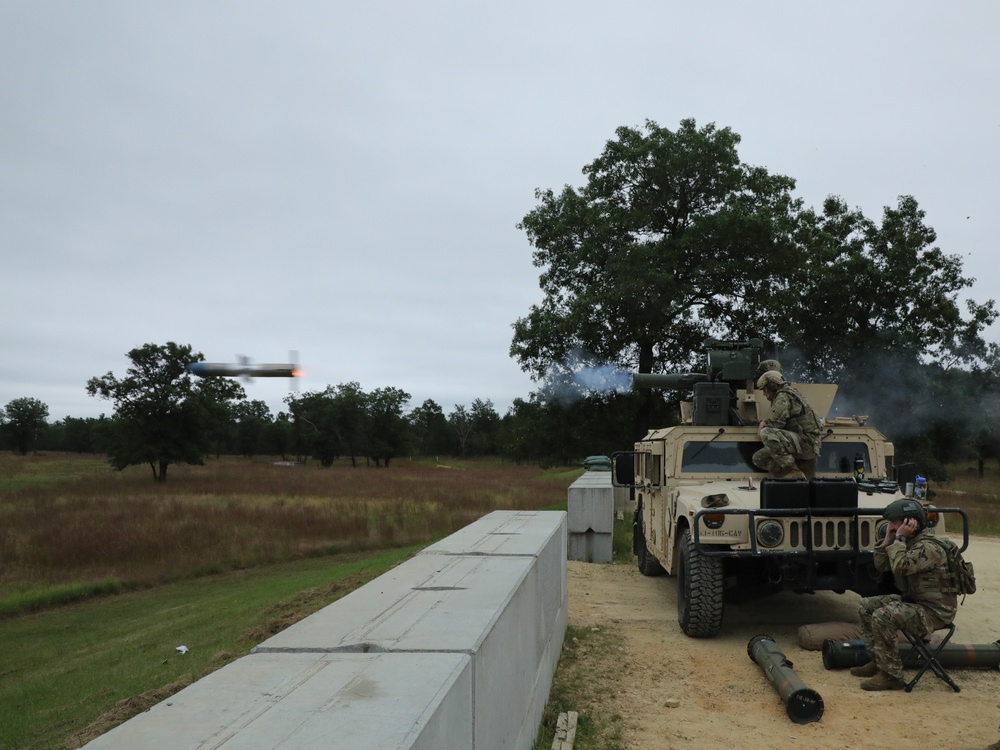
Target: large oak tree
[
  {"x": 162, "y": 415},
  {"x": 672, "y": 239}
]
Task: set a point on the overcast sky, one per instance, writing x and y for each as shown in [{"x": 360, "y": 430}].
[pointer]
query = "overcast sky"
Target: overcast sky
[{"x": 344, "y": 179}]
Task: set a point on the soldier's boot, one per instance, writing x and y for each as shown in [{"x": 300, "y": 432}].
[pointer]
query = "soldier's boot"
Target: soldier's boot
[
  {"x": 865, "y": 670},
  {"x": 807, "y": 466},
  {"x": 882, "y": 681},
  {"x": 788, "y": 472}
]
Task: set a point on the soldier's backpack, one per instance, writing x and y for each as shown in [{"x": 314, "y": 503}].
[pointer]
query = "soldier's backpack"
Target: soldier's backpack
[{"x": 963, "y": 575}]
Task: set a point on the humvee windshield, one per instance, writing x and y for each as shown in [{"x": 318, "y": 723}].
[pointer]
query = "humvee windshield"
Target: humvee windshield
[{"x": 734, "y": 457}]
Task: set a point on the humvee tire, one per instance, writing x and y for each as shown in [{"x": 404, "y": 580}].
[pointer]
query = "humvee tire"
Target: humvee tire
[
  {"x": 699, "y": 591},
  {"x": 648, "y": 565}
]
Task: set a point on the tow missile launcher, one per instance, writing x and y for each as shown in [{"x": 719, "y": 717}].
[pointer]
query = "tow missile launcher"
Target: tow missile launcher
[
  {"x": 731, "y": 369},
  {"x": 845, "y": 654},
  {"x": 803, "y": 705},
  {"x": 730, "y": 533}
]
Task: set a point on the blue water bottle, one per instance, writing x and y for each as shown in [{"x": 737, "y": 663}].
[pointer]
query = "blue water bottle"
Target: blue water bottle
[{"x": 920, "y": 488}]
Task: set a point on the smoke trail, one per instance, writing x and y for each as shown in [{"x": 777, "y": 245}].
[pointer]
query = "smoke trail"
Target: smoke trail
[
  {"x": 580, "y": 376},
  {"x": 604, "y": 379}
]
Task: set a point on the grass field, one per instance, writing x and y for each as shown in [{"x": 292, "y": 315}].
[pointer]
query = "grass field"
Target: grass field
[
  {"x": 71, "y": 673},
  {"x": 71, "y": 528},
  {"x": 978, "y": 496},
  {"x": 103, "y": 574}
]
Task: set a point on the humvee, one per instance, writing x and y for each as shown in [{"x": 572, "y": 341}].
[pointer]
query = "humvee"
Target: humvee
[{"x": 730, "y": 533}]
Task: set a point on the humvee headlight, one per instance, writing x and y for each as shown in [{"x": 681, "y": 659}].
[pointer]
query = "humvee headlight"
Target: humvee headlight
[
  {"x": 770, "y": 533},
  {"x": 714, "y": 520}
]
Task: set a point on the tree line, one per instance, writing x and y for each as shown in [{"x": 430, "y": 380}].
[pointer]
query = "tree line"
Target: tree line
[
  {"x": 671, "y": 240},
  {"x": 937, "y": 417},
  {"x": 162, "y": 415}
]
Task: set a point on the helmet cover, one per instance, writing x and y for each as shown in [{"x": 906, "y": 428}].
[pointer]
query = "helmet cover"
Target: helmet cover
[
  {"x": 770, "y": 379},
  {"x": 904, "y": 508}
]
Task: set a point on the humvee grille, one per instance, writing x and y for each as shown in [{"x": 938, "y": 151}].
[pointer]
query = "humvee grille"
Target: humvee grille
[{"x": 828, "y": 534}]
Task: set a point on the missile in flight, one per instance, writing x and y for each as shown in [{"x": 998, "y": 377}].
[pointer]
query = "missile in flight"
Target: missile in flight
[{"x": 244, "y": 369}]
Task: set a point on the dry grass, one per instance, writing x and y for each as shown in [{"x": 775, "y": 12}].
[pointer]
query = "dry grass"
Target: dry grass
[
  {"x": 978, "y": 496},
  {"x": 71, "y": 526}
]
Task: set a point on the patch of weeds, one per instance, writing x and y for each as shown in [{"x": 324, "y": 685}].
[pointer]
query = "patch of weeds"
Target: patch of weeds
[
  {"x": 583, "y": 664},
  {"x": 621, "y": 539}
]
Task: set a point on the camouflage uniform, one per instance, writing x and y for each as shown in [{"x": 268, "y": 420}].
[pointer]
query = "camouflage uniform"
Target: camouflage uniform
[
  {"x": 920, "y": 569},
  {"x": 791, "y": 432}
]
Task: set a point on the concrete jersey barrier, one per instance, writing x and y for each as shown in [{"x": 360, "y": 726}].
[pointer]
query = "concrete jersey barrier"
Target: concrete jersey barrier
[
  {"x": 591, "y": 521},
  {"x": 454, "y": 648}
]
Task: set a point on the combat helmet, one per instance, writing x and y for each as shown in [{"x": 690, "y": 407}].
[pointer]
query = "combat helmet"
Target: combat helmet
[
  {"x": 771, "y": 379},
  {"x": 903, "y": 508},
  {"x": 769, "y": 365}
]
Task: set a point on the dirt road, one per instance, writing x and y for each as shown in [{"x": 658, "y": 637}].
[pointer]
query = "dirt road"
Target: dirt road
[{"x": 723, "y": 697}]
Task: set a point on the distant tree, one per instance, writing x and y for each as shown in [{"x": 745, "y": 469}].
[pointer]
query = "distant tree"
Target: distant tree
[
  {"x": 221, "y": 427},
  {"x": 252, "y": 420},
  {"x": 162, "y": 416},
  {"x": 315, "y": 423},
  {"x": 72, "y": 434},
  {"x": 671, "y": 239},
  {"x": 278, "y": 436},
  {"x": 522, "y": 433},
  {"x": 985, "y": 446},
  {"x": 24, "y": 419},
  {"x": 540, "y": 431},
  {"x": 554, "y": 431},
  {"x": 485, "y": 426},
  {"x": 602, "y": 423},
  {"x": 351, "y": 409},
  {"x": 430, "y": 431},
  {"x": 461, "y": 423},
  {"x": 866, "y": 295},
  {"x": 388, "y": 430},
  {"x": 334, "y": 422},
  {"x": 974, "y": 404},
  {"x": 80, "y": 434}
]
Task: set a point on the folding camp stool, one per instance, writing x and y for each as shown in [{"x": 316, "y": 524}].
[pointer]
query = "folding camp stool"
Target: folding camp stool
[{"x": 928, "y": 656}]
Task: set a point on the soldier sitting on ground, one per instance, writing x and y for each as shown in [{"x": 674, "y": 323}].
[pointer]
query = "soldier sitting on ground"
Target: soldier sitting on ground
[
  {"x": 928, "y": 602},
  {"x": 790, "y": 434}
]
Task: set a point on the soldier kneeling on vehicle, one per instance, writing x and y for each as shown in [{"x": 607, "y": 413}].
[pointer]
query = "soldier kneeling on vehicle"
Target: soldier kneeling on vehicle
[{"x": 791, "y": 434}]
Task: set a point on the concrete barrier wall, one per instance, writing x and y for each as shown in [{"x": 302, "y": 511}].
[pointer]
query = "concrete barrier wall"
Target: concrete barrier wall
[
  {"x": 454, "y": 648},
  {"x": 591, "y": 520}
]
